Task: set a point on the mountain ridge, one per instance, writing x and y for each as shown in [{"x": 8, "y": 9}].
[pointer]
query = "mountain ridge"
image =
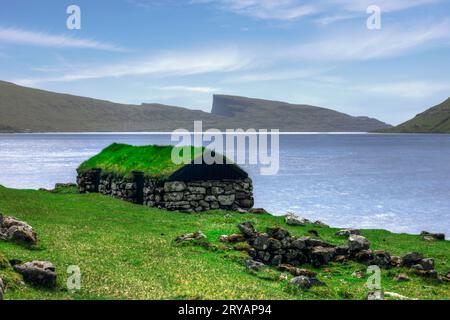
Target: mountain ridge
[{"x": 25, "y": 109}]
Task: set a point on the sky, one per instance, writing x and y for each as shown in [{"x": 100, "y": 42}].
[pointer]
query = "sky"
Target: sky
[{"x": 181, "y": 52}]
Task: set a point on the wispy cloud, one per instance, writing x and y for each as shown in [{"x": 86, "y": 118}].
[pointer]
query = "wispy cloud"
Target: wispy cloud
[
  {"x": 407, "y": 89},
  {"x": 385, "y": 5},
  {"x": 367, "y": 45},
  {"x": 275, "y": 75},
  {"x": 190, "y": 89},
  {"x": 265, "y": 9},
  {"x": 168, "y": 64},
  {"x": 41, "y": 39}
]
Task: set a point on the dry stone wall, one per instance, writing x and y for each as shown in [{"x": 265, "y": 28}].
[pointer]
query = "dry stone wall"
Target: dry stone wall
[{"x": 191, "y": 196}]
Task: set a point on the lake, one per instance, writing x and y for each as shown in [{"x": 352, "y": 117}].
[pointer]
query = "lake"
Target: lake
[{"x": 395, "y": 182}]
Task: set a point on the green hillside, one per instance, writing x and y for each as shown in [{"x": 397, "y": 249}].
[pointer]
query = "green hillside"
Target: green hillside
[
  {"x": 434, "y": 120},
  {"x": 127, "y": 251}
]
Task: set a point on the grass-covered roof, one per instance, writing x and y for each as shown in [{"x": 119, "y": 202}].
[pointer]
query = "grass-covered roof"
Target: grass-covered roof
[{"x": 122, "y": 159}]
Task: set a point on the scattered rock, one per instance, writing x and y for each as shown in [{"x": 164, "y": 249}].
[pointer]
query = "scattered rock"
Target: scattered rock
[
  {"x": 357, "y": 243},
  {"x": 396, "y": 261},
  {"x": 432, "y": 236},
  {"x": 241, "y": 211},
  {"x": 375, "y": 295},
  {"x": 257, "y": 211},
  {"x": 358, "y": 274},
  {"x": 410, "y": 259},
  {"x": 348, "y": 232},
  {"x": 364, "y": 256},
  {"x": 247, "y": 229},
  {"x": 293, "y": 220},
  {"x": 381, "y": 258},
  {"x": 306, "y": 283},
  {"x": 38, "y": 273},
  {"x": 401, "y": 278},
  {"x": 254, "y": 265},
  {"x": 397, "y": 296},
  {"x": 296, "y": 271},
  {"x": 320, "y": 224},
  {"x": 198, "y": 235},
  {"x": 432, "y": 274},
  {"x": 277, "y": 233},
  {"x": 12, "y": 229},
  {"x": 424, "y": 264},
  {"x": 321, "y": 256},
  {"x": 283, "y": 277},
  {"x": 232, "y": 238}
]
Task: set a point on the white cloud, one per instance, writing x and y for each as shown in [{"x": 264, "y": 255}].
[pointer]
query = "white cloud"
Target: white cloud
[
  {"x": 368, "y": 45},
  {"x": 190, "y": 89},
  {"x": 42, "y": 39},
  {"x": 407, "y": 89},
  {"x": 265, "y": 9},
  {"x": 169, "y": 64},
  {"x": 385, "y": 5},
  {"x": 275, "y": 75}
]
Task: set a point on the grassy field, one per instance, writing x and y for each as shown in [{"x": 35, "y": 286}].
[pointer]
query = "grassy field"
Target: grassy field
[{"x": 127, "y": 251}]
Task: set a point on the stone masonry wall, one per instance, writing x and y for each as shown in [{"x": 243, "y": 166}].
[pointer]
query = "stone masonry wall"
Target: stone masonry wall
[{"x": 171, "y": 195}]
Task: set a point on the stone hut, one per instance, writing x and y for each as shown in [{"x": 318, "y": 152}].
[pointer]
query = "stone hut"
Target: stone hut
[{"x": 146, "y": 175}]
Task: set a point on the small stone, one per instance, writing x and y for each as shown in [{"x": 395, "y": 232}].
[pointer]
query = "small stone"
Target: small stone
[
  {"x": 396, "y": 261},
  {"x": 254, "y": 265},
  {"x": 358, "y": 274},
  {"x": 401, "y": 278},
  {"x": 241, "y": 211},
  {"x": 348, "y": 232},
  {"x": 198, "y": 235},
  {"x": 283, "y": 277},
  {"x": 357, "y": 243},
  {"x": 38, "y": 273},
  {"x": 247, "y": 229},
  {"x": 375, "y": 295},
  {"x": 232, "y": 238},
  {"x": 258, "y": 211},
  {"x": 306, "y": 283},
  {"x": 296, "y": 271},
  {"x": 227, "y": 216},
  {"x": 294, "y": 220},
  {"x": 321, "y": 224}
]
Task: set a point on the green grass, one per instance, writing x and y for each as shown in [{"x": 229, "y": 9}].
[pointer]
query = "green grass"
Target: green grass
[
  {"x": 153, "y": 160},
  {"x": 127, "y": 251}
]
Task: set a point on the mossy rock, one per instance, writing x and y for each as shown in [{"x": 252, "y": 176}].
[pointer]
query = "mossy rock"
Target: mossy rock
[{"x": 4, "y": 263}]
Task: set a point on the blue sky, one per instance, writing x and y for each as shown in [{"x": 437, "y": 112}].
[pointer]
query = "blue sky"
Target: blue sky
[{"x": 181, "y": 52}]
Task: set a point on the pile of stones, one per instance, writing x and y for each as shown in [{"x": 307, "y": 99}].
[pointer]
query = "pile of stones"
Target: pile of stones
[
  {"x": 277, "y": 247},
  {"x": 12, "y": 229}
]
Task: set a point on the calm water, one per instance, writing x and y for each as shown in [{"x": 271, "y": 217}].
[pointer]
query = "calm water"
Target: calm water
[{"x": 395, "y": 182}]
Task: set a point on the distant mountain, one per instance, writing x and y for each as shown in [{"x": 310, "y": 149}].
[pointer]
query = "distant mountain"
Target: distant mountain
[
  {"x": 31, "y": 110},
  {"x": 434, "y": 120},
  {"x": 290, "y": 117}
]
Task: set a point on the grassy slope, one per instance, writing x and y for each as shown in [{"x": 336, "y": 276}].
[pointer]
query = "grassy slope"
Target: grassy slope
[
  {"x": 433, "y": 120},
  {"x": 122, "y": 159},
  {"x": 127, "y": 252}
]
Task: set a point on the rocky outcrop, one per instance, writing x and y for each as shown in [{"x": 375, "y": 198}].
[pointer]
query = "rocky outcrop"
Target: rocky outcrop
[
  {"x": 192, "y": 196},
  {"x": 293, "y": 220},
  {"x": 38, "y": 273},
  {"x": 427, "y": 236},
  {"x": 12, "y": 229}
]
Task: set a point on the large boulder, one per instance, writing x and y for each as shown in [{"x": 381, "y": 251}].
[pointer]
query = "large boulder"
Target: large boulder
[
  {"x": 38, "y": 273},
  {"x": 410, "y": 259},
  {"x": 381, "y": 258},
  {"x": 321, "y": 256},
  {"x": 278, "y": 233},
  {"x": 254, "y": 265},
  {"x": 357, "y": 243},
  {"x": 13, "y": 229}
]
